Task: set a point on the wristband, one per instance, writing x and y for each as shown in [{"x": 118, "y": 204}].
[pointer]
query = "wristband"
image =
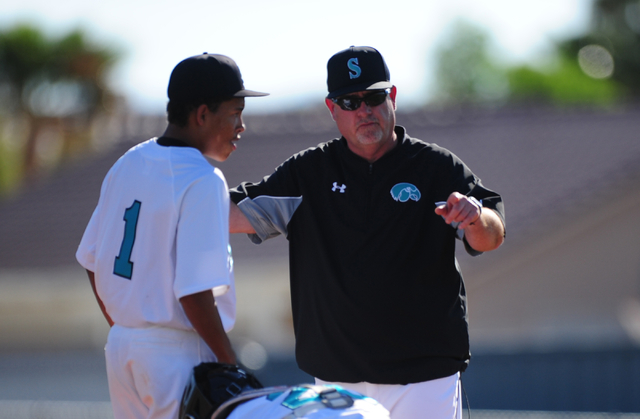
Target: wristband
[{"x": 479, "y": 204}]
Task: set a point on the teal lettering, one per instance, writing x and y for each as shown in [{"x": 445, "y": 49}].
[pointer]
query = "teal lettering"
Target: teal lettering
[
  {"x": 123, "y": 266},
  {"x": 353, "y": 66}
]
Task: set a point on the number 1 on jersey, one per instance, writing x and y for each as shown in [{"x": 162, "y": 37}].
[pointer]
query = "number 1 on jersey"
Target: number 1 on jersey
[{"x": 123, "y": 266}]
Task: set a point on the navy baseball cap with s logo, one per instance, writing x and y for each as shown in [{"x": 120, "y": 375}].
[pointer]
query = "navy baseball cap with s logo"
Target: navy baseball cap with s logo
[{"x": 356, "y": 69}]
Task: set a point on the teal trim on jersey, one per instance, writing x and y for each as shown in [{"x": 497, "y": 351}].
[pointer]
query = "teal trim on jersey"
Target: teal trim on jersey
[
  {"x": 403, "y": 192},
  {"x": 300, "y": 396},
  {"x": 272, "y": 396},
  {"x": 123, "y": 266},
  {"x": 230, "y": 257},
  {"x": 355, "y": 396}
]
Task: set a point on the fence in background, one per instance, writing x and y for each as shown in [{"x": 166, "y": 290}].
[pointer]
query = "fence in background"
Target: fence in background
[{"x": 606, "y": 380}]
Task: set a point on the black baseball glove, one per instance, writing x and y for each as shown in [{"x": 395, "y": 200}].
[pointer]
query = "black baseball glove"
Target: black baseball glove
[{"x": 212, "y": 384}]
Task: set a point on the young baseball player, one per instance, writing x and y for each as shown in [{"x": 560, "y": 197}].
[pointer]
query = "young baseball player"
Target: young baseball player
[{"x": 157, "y": 247}]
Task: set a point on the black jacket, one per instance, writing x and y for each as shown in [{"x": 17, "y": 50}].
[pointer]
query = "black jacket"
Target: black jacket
[{"x": 377, "y": 294}]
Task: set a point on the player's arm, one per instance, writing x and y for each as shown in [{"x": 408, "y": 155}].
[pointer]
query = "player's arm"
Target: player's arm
[
  {"x": 92, "y": 279},
  {"x": 238, "y": 222},
  {"x": 203, "y": 314},
  {"x": 483, "y": 228}
]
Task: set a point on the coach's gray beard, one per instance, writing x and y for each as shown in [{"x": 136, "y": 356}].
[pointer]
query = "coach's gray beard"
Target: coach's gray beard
[{"x": 369, "y": 135}]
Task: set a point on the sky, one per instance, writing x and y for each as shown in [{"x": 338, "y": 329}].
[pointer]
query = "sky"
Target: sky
[{"x": 282, "y": 46}]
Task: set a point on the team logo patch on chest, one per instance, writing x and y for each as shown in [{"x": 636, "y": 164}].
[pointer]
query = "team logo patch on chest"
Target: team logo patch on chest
[{"x": 403, "y": 192}]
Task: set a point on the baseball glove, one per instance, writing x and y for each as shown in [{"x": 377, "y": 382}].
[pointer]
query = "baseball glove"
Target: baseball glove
[{"x": 212, "y": 384}]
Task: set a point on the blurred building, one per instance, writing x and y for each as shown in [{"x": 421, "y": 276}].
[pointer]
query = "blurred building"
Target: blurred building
[{"x": 554, "y": 313}]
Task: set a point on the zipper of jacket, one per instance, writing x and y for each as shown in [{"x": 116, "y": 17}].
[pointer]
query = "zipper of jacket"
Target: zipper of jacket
[{"x": 369, "y": 202}]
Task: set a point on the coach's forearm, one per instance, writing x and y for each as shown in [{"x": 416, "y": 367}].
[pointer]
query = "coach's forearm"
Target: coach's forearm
[
  {"x": 486, "y": 233},
  {"x": 203, "y": 314}
]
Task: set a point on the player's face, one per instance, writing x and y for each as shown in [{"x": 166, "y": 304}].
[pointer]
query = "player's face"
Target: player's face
[
  {"x": 224, "y": 126},
  {"x": 368, "y": 128}
]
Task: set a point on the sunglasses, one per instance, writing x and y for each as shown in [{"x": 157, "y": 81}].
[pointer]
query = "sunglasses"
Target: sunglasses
[{"x": 352, "y": 103}]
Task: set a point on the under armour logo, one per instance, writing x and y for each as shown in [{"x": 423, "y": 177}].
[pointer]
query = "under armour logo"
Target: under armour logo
[
  {"x": 353, "y": 66},
  {"x": 340, "y": 188}
]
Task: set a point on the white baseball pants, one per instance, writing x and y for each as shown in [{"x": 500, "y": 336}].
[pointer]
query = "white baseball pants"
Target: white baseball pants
[
  {"x": 148, "y": 370},
  {"x": 434, "y": 399}
]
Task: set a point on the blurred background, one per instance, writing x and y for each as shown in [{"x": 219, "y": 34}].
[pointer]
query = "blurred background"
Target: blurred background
[{"x": 541, "y": 100}]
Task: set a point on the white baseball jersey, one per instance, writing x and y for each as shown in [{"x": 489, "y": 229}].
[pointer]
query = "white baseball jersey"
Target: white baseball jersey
[
  {"x": 307, "y": 402},
  {"x": 160, "y": 231}
]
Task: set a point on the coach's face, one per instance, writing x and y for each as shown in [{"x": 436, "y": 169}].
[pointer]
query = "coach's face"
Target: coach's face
[
  {"x": 224, "y": 127},
  {"x": 369, "y": 130}
]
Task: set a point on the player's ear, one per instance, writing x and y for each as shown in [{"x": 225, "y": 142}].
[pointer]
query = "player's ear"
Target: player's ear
[{"x": 200, "y": 114}]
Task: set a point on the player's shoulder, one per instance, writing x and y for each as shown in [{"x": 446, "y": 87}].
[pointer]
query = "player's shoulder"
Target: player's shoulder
[
  {"x": 141, "y": 147},
  {"x": 129, "y": 160},
  {"x": 183, "y": 166},
  {"x": 200, "y": 176}
]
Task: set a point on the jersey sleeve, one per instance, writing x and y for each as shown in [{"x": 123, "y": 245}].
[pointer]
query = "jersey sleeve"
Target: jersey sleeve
[
  {"x": 466, "y": 182},
  {"x": 86, "y": 253},
  {"x": 203, "y": 256},
  {"x": 270, "y": 204}
]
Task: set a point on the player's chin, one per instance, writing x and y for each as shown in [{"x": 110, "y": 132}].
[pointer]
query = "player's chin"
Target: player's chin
[
  {"x": 223, "y": 152},
  {"x": 220, "y": 155}
]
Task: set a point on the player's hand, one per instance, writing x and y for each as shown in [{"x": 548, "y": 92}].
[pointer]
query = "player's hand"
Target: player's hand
[{"x": 459, "y": 209}]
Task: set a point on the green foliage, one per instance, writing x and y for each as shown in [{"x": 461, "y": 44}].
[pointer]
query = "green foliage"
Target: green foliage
[
  {"x": 9, "y": 169},
  {"x": 23, "y": 51},
  {"x": 467, "y": 74},
  {"x": 33, "y": 68},
  {"x": 563, "y": 84},
  {"x": 51, "y": 85},
  {"x": 616, "y": 27}
]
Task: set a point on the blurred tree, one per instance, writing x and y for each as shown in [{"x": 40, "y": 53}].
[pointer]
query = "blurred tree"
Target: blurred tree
[
  {"x": 467, "y": 74},
  {"x": 615, "y": 27},
  {"x": 563, "y": 83},
  {"x": 46, "y": 81}
]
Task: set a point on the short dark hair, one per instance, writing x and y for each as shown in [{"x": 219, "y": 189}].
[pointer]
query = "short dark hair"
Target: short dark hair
[{"x": 178, "y": 112}]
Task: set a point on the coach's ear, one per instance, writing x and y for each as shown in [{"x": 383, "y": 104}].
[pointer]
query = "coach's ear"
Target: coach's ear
[
  {"x": 331, "y": 106},
  {"x": 392, "y": 95}
]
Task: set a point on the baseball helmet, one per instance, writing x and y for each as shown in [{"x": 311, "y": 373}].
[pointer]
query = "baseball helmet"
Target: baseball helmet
[{"x": 212, "y": 384}]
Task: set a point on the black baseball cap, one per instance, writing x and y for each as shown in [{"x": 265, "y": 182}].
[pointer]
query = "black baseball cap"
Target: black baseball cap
[
  {"x": 356, "y": 69},
  {"x": 205, "y": 78}
]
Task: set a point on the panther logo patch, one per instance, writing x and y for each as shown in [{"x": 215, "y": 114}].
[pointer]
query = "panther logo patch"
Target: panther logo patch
[{"x": 403, "y": 192}]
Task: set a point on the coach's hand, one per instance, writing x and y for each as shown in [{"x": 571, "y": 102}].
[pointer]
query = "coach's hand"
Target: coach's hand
[
  {"x": 460, "y": 209},
  {"x": 482, "y": 227}
]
